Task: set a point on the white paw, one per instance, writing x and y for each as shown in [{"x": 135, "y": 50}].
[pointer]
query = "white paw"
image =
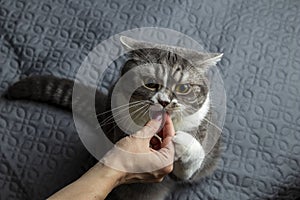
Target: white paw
[{"x": 189, "y": 155}]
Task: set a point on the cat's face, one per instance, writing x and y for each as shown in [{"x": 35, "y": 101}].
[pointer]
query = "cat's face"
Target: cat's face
[{"x": 169, "y": 79}]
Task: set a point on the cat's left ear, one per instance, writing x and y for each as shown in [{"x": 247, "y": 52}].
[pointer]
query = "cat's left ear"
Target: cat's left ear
[
  {"x": 202, "y": 60},
  {"x": 132, "y": 44},
  {"x": 207, "y": 60}
]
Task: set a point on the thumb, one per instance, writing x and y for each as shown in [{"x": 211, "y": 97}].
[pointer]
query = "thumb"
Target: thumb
[{"x": 149, "y": 130}]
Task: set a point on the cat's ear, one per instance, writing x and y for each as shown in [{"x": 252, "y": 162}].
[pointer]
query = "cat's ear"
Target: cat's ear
[
  {"x": 202, "y": 60},
  {"x": 207, "y": 60},
  {"x": 132, "y": 44}
]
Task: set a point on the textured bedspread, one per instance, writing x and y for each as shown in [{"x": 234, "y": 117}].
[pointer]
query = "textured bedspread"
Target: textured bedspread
[{"x": 40, "y": 150}]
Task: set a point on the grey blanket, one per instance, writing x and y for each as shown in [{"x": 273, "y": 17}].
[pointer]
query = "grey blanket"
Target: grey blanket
[{"x": 40, "y": 151}]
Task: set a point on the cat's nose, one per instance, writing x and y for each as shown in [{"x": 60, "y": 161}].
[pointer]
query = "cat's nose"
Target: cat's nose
[{"x": 163, "y": 103}]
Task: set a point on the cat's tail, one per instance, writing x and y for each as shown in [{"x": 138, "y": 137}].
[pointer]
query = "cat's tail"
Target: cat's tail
[
  {"x": 48, "y": 89},
  {"x": 59, "y": 92},
  {"x": 55, "y": 91}
]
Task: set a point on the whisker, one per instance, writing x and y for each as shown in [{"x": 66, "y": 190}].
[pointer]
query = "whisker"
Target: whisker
[
  {"x": 145, "y": 111},
  {"x": 208, "y": 121},
  {"x": 135, "y": 103},
  {"x": 126, "y": 117},
  {"x": 117, "y": 113},
  {"x": 138, "y": 115},
  {"x": 119, "y": 110}
]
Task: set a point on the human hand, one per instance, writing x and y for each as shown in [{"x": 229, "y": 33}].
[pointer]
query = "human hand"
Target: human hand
[
  {"x": 139, "y": 162},
  {"x": 130, "y": 161}
]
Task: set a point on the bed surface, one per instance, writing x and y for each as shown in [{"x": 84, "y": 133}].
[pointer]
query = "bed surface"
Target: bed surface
[{"x": 40, "y": 150}]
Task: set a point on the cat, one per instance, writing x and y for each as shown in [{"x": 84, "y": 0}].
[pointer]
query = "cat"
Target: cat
[{"x": 185, "y": 96}]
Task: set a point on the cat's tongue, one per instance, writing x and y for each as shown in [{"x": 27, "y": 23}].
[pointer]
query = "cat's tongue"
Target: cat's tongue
[{"x": 156, "y": 111}]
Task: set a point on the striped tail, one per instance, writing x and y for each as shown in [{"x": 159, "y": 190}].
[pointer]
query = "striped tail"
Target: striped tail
[
  {"x": 58, "y": 92},
  {"x": 49, "y": 89}
]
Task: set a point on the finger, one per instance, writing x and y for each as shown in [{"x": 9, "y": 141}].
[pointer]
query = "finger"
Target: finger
[
  {"x": 153, "y": 180},
  {"x": 167, "y": 153},
  {"x": 166, "y": 141},
  {"x": 156, "y": 180},
  {"x": 148, "y": 130},
  {"x": 160, "y": 133},
  {"x": 168, "y": 132}
]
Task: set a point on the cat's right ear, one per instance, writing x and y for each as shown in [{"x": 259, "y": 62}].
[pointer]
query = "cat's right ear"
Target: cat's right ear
[
  {"x": 209, "y": 59},
  {"x": 201, "y": 60},
  {"x": 127, "y": 43},
  {"x": 131, "y": 44}
]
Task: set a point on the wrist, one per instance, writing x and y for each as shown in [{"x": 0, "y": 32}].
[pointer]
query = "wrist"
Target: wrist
[
  {"x": 96, "y": 183},
  {"x": 100, "y": 180},
  {"x": 113, "y": 176}
]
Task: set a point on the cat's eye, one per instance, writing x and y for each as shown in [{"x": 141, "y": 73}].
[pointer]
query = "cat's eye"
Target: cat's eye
[
  {"x": 182, "y": 88},
  {"x": 151, "y": 84}
]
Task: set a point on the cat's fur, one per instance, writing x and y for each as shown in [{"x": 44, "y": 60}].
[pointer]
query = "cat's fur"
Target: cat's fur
[{"x": 190, "y": 112}]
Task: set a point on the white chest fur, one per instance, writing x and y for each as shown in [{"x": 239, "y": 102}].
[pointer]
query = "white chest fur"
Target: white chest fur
[{"x": 190, "y": 122}]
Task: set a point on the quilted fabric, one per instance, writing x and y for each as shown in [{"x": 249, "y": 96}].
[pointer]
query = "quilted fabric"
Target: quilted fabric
[{"x": 40, "y": 150}]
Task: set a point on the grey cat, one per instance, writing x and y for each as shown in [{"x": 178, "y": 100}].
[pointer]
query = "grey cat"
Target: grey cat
[{"x": 179, "y": 85}]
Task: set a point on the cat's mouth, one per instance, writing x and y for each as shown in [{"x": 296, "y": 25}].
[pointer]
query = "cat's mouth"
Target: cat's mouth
[{"x": 171, "y": 111}]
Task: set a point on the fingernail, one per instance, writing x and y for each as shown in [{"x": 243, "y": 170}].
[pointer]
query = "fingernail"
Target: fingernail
[
  {"x": 158, "y": 117},
  {"x": 155, "y": 112}
]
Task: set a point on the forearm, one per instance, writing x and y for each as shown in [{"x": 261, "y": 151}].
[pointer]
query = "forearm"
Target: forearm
[
  {"x": 99, "y": 181},
  {"x": 95, "y": 184}
]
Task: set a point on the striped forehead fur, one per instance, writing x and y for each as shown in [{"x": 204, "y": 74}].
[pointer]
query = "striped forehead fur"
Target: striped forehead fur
[{"x": 171, "y": 63}]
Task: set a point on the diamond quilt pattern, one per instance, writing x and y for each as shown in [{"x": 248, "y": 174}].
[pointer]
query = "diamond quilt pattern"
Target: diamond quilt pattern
[{"x": 40, "y": 150}]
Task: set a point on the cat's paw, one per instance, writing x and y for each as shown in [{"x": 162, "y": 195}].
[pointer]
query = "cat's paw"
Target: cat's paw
[{"x": 189, "y": 155}]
